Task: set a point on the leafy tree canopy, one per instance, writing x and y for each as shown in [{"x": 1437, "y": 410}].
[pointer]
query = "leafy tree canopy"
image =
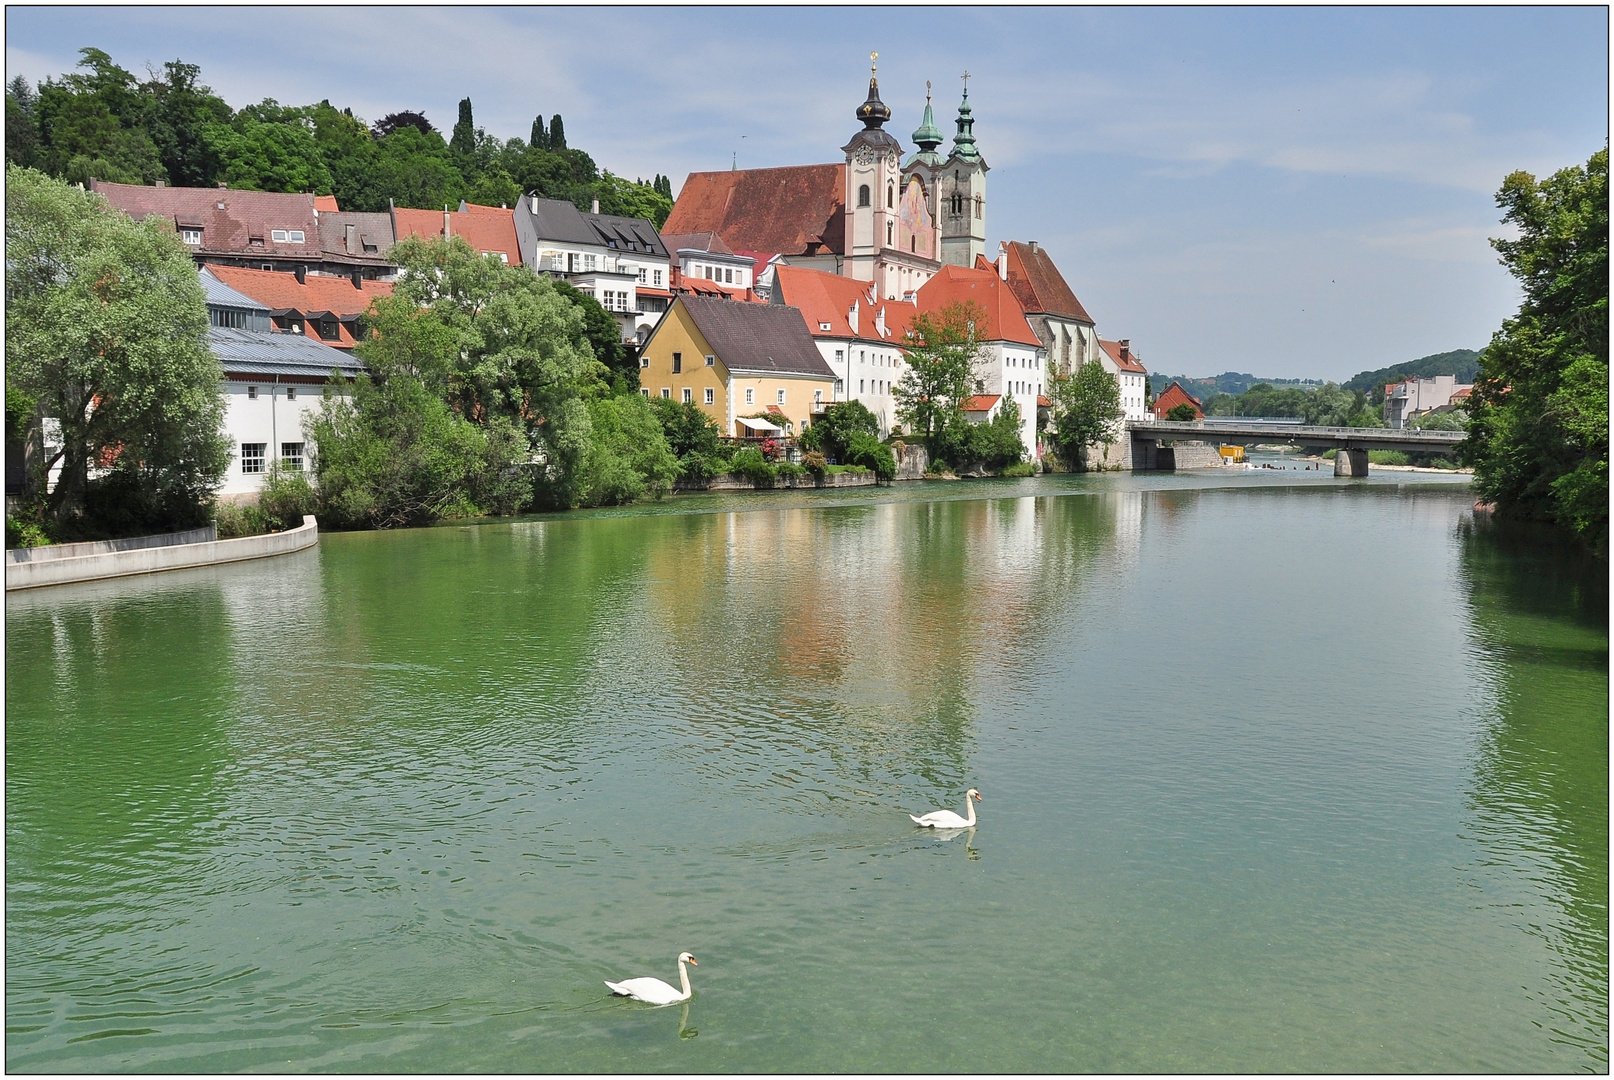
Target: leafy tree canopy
[
  {"x": 943, "y": 351},
  {"x": 1086, "y": 409}
]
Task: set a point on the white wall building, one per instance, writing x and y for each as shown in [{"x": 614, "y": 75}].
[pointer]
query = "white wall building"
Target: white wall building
[{"x": 622, "y": 262}]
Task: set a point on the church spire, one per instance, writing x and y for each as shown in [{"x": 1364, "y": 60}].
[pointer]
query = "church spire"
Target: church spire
[
  {"x": 928, "y": 137},
  {"x": 873, "y": 112},
  {"x": 964, "y": 141}
]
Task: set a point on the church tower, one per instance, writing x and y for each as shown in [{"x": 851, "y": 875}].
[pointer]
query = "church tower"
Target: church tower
[
  {"x": 873, "y": 168},
  {"x": 961, "y": 191}
]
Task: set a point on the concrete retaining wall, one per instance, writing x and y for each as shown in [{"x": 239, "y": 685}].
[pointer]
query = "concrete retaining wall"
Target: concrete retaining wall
[
  {"x": 102, "y": 547},
  {"x": 36, "y": 572}
]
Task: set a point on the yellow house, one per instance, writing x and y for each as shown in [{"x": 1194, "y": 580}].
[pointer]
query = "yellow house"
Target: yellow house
[{"x": 737, "y": 360}]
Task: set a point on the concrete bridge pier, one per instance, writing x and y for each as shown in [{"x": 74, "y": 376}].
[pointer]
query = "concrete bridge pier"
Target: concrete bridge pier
[{"x": 1350, "y": 462}]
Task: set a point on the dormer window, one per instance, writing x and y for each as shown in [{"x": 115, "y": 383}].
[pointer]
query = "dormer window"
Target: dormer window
[
  {"x": 191, "y": 236},
  {"x": 286, "y": 236}
]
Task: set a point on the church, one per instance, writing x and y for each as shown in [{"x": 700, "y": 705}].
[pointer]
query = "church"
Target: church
[{"x": 871, "y": 217}]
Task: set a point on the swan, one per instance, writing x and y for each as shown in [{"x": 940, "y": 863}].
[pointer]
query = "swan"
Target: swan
[
  {"x": 655, "y": 991},
  {"x": 946, "y": 819}
]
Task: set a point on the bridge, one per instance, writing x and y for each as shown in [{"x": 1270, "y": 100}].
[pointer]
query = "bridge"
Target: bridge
[{"x": 1352, "y": 443}]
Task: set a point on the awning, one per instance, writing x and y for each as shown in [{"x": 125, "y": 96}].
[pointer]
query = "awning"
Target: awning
[{"x": 757, "y": 425}]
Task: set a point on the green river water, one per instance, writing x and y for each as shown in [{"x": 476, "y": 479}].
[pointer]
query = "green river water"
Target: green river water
[{"x": 1279, "y": 773}]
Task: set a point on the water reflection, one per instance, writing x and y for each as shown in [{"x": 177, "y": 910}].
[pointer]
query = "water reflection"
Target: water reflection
[{"x": 1539, "y": 619}]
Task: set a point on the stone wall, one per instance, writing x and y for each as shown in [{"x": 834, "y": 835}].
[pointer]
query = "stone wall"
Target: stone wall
[{"x": 34, "y": 572}]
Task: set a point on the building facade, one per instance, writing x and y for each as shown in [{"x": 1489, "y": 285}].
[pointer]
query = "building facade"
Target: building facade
[
  {"x": 1410, "y": 398},
  {"x": 608, "y": 257}
]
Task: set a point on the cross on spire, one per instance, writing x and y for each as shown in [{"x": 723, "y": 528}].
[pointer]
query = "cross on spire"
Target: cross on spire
[{"x": 966, "y": 78}]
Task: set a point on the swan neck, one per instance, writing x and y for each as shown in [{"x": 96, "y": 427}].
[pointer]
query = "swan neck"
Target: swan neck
[
  {"x": 969, "y": 805},
  {"x": 683, "y": 974}
]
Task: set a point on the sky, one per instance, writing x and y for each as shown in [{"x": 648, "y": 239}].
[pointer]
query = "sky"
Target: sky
[{"x": 1291, "y": 192}]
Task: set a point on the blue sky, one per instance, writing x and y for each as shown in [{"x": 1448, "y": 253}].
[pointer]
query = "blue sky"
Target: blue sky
[{"x": 1293, "y": 192}]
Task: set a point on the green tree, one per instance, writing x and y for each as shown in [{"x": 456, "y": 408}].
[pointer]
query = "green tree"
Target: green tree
[
  {"x": 694, "y": 438},
  {"x": 604, "y": 338},
  {"x": 1538, "y": 428},
  {"x": 1087, "y": 409},
  {"x": 275, "y": 156},
  {"x": 834, "y": 431},
  {"x": 540, "y": 134},
  {"x": 179, "y": 110},
  {"x": 628, "y": 455},
  {"x": 868, "y": 452},
  {"x": 22, "y": 127},
  {"x": 1182, "y": 413},
  {"x": 90, "y": 124},
  {"x": 107, "y": 333},
  {"x": 557, "y": 133},
  {"x": 350, "y": 154},
  {"x": 415, "y": 169},
  {"x": 996, "y": 443},
  {"x": 633, "y": 199},
  {"x": 943, "y": 350},
  {"x": 463, "y": 142}
]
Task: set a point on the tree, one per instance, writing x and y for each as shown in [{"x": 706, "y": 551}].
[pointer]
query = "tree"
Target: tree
[
  {"x": 90, "y": 124},
  {"x": 841, "y": 422},
  {"x": 463, "y": 142},
  {"x": 868, "y": 452},
  {"x": 1538, "y": 428},
  {"x": 628, "y": 455},
  {"x": 694, "y": 438},
  {"x": 997, "y": 443},
  {"x": 350, "y": 153},
  {"x": 276, "y": 156},
  {"x": 604, "y": 335},
  {"x": 1182, "y": 413},
  {"x": 633, "y": 199},
  {"x": 178, "y": 112},
  {"x": 22, "y": 128},
  {"x": 1087, "y": 405},
  {"x": 393, "y": 122},
  {"x": 107, "y": 334},
  {"x": 942, "y": 353},
  {"x": 540, "y": 134},
  {"x": 557, "y": 133}
]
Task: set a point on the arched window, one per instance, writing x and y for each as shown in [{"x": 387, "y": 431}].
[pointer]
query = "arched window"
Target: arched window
[
  {"x": 890, "y": 196},
  {"x": 888, "y": 240},
  {"x": 863, "y": 195}
]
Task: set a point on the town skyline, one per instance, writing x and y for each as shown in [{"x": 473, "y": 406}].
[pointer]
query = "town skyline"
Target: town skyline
[{"x": 1187, "y": 207}]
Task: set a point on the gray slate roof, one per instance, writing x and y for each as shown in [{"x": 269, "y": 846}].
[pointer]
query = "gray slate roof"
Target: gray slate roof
[
  {"x": 374, "y": 229},
  {"x": 278, "y": 354},
  {"x": 557, "y": 219},
  {"x": 766, "y": 338}
]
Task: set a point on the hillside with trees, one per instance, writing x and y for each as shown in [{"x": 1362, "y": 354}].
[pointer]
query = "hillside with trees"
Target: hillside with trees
[
  {"x": 102, "y": 122},
  {"x": 1228, "y": 382},
  {"x": 1463, "y": 363}
]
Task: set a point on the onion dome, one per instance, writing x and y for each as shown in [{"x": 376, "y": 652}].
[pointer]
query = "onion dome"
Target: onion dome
[
  {"x": 964, "y": 141},
  {"x": 873, "y": 112}
]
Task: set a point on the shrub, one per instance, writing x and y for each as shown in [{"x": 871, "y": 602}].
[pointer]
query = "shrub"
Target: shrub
[
  {"x": 25, "y": 534},
  {"x": 996, "y": 444},
  {"x": 1183, "y": 413},
  {"x": 628, "y": 456},
  {"x": 234, "y": 520},
  {"x": 841, "y": 423},
  {"x": 1022, "y": 468},
  {"x": 789, "y": 470},
  {"x": 1388, "y": 457},
  {"x": 872, "y": 454},
  {"x": 771, "y": 450},
  {"x": 815, "y": 462},
  {"x": 749, "y": 463},
  {"x": 285, "y": 497}
]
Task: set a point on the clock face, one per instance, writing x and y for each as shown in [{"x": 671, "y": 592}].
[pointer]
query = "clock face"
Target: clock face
[{"x": 865, "y": 156}]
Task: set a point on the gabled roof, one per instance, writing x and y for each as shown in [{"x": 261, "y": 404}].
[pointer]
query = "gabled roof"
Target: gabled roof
[
  {"x": 559, "y": 220},
  {"x": 767, "y": 338},
  {"x": 766, "y": 210},
  {"x": 1171, "y": 397},
  {"x": 245, "y": 351},
  {"x": 281, "y": 292},
  {"x": 708, "y": 242},
  {"x": 1038, "y": 285},
  {"x": 245, "y": 214},
  {"x": 1131, "y": 363},
  {"x": 956, "y": 284},
  {"x": 369, "y": 230},
  {"x": 326, "y": 203},
  {"x": 478, "y": 208},
  {"x": 485, "y": 230},
  {"x": 828, "y": 298},
  {"x": 981, "y": 402}
]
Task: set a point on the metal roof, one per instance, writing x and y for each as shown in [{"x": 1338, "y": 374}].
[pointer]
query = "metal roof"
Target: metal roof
[
  {"x": 221, "y": 295},
  {"x": 278, "y": 354},
  {"x": 559, "y": 220}
]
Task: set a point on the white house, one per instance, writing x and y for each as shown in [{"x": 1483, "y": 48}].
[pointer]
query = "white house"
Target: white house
[
  {"x": 271, "y": 382},
  {"x": 622, "y": 262},
  {"x": 1119, "y": 360}
]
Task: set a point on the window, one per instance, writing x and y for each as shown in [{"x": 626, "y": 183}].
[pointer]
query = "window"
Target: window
[
  {"x": 711, "y": 361},
  {"x": 840, "y": 354},
  {"x": 230, "y": 319},
  {"x": 837, "y": 386},
  {"x": 711, "y": 396},
  {"x": 888, "y": 234},
  {"x": 890, "y": 196},
  {"x": 291, "y": 393},
  {"x": 707, "y": 270},
  {"x": 781, "y": 397},
  {"x": 818, "y": 397},
  {"x": 825, "y": 326},
  {"x": 252, "y": 456},
  {"x": 728, "y": 276},
  {"x": 658, "y": 277},
  {"x": 645, "y": 390},
  {"x": 860, "y": 383},
  {"x": 589, "y": 262},
  {"x": 666, "y": 393},
  {"x": 644, "y": 361},
  {"x": 252, "y": 393},
  {"x": 643, "y": 274},
  {"x": 267, "y": 266},
  {"x": 678, "y": 362},
  {"x": 327, "y": 330},
  {"x": 750, "y": 396},
  {"x": 863, "y": 195},
  {"x": 291, "y": 455},
  {"x": 278, "y": 235},
  {"x": 979, "y": 204},
  {"x": 689, "y": 395},
  {"x": 191, "y": 236}
]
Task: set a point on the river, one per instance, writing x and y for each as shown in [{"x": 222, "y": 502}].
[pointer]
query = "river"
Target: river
[{"x": 1279, "y": 772}]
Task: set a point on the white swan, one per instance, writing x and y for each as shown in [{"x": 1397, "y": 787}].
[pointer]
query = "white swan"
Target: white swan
[
  {"x": 655, "y": 991},
  {"x": 946, "y": 819}
]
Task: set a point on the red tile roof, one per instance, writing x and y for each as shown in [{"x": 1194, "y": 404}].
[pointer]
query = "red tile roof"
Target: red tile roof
[
  {"x": 1038, "y": 285},
  {"x": 246, "y": 214},
  {"x": 478, "y": 208},
  {"x": 1004, "y": 319},
  {"x": 324, "y": 203},
  {"x": 1044, "y": 402},
  {"x": 694, "y": 286},
  {"x": 1171, "y": 397},
  {"x": 773, "y": 210},
  {"x": 1129, "y": 363},
  {"x": 981, "y": 402},
  {"x": 281, "y": 292},
  {"x": 487, "y": 229},
  {"x": 828, "y": 298}
]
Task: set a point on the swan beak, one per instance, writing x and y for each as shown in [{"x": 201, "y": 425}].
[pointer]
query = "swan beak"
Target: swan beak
[
  {"x": 977, "y": 798},
  {"x": 692, "y": 962}
]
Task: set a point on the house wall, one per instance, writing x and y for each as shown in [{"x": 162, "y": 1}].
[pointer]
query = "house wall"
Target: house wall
[
  {"x": 677, "y": 333},
  {"x": 799, "y": 394},
  {"x": 1015, "y": 371},
  {"x": 271, "y": 418}
]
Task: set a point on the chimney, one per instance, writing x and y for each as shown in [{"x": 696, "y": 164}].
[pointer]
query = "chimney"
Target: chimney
[
  {"x": 351, "y": 240},
  {"x": 596, "y": 209},
  {"x": 302, "y": 275},
  {"x": 851, "y": 316},
  {"x": 223, "y": 186},
  {"x": 160, "y": 183},
  {"x": 358, "y": 279},
  {"x": 1003, "y": 267},
  {"x": 448, "y": 228},
  {"x": 1126, "y": 348},
  {"x": 1033, "y": 246}
]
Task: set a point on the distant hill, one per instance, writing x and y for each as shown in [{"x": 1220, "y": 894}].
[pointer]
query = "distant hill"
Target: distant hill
[
  {"x": 1228, "y": 382},
  {"x": 1463, "y": 363}
]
